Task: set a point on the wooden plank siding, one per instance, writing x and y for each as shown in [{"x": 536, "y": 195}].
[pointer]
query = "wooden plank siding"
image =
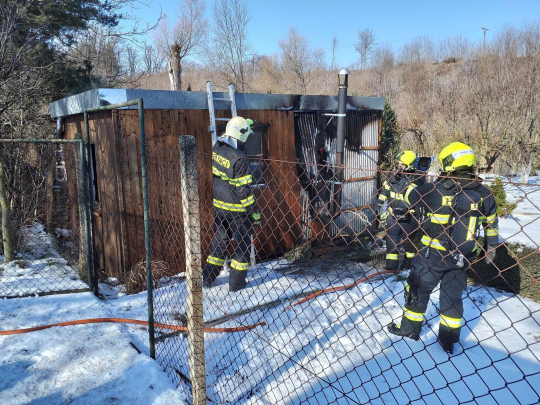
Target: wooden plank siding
[{"x": 121, "y": 229}]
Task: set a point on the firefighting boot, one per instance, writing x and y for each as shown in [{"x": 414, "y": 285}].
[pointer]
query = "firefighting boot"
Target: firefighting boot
[
  {"x": 396, "y": 330},
  {"x": 448, "y": 347},
  {"x": 210, "y": 274}
]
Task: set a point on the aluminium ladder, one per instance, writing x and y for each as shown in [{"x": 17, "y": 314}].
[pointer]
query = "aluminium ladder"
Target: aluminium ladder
[
  {"x": 213, "y": 130},
  {"x": 211, "y": 99}
]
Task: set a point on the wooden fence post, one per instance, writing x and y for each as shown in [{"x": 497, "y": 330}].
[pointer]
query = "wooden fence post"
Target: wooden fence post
[{"x": 192, "y": 235}]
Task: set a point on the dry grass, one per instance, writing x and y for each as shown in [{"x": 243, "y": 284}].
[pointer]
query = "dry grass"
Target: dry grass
[{"x": 135, "y": 280}]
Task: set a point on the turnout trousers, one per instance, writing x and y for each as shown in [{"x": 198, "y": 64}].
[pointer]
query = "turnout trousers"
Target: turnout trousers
[
  {"x": 421, "y": 281},
  {"x": 399, "y": 236},
  {"x": 237, "y": 229}
]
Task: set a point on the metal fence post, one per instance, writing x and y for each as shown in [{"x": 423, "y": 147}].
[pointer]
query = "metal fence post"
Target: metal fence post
[
  {"x": 191, "y": 220},
  {"x": 148, "y": 246},
  {"x": 86, "y": 215},
  {"x": 87, "y": 197}
]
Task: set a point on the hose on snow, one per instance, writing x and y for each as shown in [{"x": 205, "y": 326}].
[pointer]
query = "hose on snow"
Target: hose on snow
[{"x": 184, "y": 328}]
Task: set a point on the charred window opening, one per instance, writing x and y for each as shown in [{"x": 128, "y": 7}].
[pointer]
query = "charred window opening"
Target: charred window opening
[
  {"x": 314, "y": 139},
  {"x": 256, "y": 149}
]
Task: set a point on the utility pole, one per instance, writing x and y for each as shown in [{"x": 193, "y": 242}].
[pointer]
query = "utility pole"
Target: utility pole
[{"x": 485, "y": 30}]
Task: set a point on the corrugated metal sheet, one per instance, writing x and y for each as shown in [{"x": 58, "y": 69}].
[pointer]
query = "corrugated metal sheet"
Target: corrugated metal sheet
[
  {"x": 360, "y": 178},
  {"x": 307, "y": 126},
  {"x": 361, "y": 158}
]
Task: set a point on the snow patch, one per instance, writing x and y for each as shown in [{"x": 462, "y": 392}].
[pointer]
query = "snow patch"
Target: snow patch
[
  {"x": 39, "y": 269},
  {"x": 84, "y": 364}
]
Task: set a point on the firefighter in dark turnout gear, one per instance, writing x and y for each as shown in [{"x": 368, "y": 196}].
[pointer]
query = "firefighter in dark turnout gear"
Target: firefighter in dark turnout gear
[
  {"x": 455, "y": 208},
  {"x": 401, "y": 224},
  {"x": 236, "y": 213}
]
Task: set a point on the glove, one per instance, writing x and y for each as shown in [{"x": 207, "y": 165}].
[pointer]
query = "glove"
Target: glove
[
  {"x": 255, "y": 220},
  {"x": 490, "y": 255}
]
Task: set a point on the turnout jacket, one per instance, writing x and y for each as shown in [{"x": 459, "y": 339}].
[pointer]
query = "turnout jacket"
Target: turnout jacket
[
  {"x": 394, "y": 188},
  {"x": 454, "y": 209},
  {"x": 232, "y": 178}
]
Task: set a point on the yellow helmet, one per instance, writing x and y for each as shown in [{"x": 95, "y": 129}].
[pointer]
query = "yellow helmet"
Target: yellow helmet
[
  {"x": 239, "y": 128},
  {"x": 456, "y": 156},
  {"x": 407, "y": 157}
]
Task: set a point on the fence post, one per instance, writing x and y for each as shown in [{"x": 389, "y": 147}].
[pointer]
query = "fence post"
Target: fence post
[
  {"x": 84, "y": 216},
  {"x": 192, "y": 235}
]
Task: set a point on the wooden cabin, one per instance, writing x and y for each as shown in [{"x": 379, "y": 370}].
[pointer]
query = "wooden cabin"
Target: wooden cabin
[{"x": 284, "y": 164}]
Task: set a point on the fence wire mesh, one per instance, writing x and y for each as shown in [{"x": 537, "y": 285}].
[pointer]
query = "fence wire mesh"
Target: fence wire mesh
[
  {"x": 332, "y": 273},
  {"x": 44, "y": 193}
]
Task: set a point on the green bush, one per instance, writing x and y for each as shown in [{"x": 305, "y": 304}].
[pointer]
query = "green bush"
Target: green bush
[
  {"x": 516, "y": 270},
  {"x": 504, "y": 207},
  {"x": 391, "y": 137}
]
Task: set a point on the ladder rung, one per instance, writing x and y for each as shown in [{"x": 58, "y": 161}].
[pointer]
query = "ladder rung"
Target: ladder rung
[
  {"x": 223, "y": 119},
  {"x": 223, "y": 99}
]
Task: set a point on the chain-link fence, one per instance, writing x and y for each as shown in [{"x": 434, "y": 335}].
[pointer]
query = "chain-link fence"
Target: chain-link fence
[
  {"x": 332, "y": 273},
  {"x": 43, "y": 218}
]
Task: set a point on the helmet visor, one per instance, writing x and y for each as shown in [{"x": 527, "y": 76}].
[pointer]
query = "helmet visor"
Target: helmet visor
[{"x": 451, "y": 158}]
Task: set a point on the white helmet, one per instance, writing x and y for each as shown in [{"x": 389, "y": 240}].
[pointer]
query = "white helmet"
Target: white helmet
[{"x": 239, "y": 128}]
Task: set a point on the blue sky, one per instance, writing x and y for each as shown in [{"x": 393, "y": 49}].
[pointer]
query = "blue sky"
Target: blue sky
[{"x": 394, "y": 22}]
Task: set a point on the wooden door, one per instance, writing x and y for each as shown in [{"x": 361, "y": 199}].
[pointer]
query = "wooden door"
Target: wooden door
[{"x": 106, "y": 193}]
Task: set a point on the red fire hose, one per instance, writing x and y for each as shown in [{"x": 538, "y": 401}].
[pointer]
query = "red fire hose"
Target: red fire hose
[
  {"x": 184, "y": 328},
  {"x": 125, "y": 320}
]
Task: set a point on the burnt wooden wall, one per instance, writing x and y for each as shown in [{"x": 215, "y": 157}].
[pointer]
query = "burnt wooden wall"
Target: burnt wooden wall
[{"x": 118, "y": 218}]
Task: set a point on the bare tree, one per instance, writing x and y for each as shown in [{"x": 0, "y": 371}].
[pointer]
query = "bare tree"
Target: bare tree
[
  {"x": 152, "y": 60},
  {"x": 181, "y": 40},
  {"x": 418, "y": 50},
  {"x": 335, "y": 44},
  {"x": 383, "y": 62},
  {"x": 229, "y": 52},
  {"x": 132, "y": 59},
  {"x": 454, "y": 49},
  {"x": 531, "y": 39},
  {"x": 507, "y": 43},
  {"x": 21, "y": 74},
  {"x": 103, "y": 55},
  {"x": 299, "y": 60},
  {"x": 364, "y": 46},
  {"x": 384, "y": 57}
]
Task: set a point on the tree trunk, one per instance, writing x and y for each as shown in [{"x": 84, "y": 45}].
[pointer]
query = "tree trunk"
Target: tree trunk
[
  {"x": 526, "y": 168},
  {"x": 7, "y": 237},
  {"x": 175, "y": 68}
]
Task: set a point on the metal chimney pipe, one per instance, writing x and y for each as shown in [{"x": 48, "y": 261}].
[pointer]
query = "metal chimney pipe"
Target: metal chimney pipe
[{"x": 343, "y": 80}]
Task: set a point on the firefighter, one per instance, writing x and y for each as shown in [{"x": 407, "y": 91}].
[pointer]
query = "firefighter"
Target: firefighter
[
  {"x": 401, "y": 224},
  {"x": 454, "y": 207},
  {"x": 235, "y": 210}
]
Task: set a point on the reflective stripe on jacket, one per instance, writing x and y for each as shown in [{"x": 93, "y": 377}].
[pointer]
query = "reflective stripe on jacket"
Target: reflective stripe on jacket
[
  {"x": 455, "y": 210},
  {"x": 232, "y": 178}
]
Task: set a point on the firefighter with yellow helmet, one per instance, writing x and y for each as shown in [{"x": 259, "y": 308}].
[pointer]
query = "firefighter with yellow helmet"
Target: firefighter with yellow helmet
[
  {"x": 236, "y": 213},
  {"x": 455, "y": 207},
  {"x": 401, "y": 223}
]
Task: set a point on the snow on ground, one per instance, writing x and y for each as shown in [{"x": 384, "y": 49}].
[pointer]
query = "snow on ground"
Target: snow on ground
[
  {"x": 523, "y": 225},
  {"x": 332, "y": 349},
  {"x": 335, "y": 348},
  {"x": 39, "y": 269},
  {"x": 83, "y": 364}
]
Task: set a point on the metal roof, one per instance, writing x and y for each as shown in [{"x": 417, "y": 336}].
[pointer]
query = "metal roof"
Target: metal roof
[{"x": 195, "y": 100}]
